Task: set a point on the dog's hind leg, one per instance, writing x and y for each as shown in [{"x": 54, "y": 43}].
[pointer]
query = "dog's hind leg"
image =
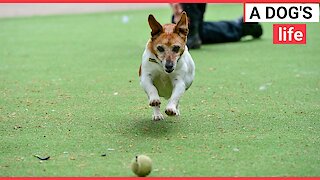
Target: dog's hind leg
[{"x": 157, "y": 116}]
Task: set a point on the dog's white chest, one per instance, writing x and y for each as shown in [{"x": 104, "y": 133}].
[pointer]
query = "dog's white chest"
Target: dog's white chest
[{"x": 164, "y": 85}]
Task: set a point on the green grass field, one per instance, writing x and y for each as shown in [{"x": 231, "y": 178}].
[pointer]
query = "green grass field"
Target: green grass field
[{"x": 69, "y": 89}]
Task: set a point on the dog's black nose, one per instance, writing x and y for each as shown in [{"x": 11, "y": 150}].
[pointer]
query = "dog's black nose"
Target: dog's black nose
[{"x": 169, "y": 65}]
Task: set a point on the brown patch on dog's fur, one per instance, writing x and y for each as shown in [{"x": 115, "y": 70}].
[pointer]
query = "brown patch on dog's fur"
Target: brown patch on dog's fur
[
  {"x": 182, "y": 27},
  {"x": 155, "y": 27},
  {"x": 167, "y": 38}
]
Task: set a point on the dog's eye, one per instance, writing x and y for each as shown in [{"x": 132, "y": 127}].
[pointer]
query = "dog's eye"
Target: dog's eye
[
  {"x": 160, "y": 48},
  {"x": 176, "y": 49}
]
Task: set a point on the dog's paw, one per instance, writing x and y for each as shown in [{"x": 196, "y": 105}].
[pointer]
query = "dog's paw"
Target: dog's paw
[
  {"x": 172, "y": 112},
  {"x": 154, "y": 102},
  {"x": 157, "y": 117}
]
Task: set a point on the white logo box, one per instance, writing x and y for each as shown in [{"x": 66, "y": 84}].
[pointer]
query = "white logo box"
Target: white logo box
[{"x": 283, "y": 12}]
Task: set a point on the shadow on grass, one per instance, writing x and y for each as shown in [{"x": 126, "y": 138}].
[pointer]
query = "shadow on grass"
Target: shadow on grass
[{"x": 147, "y": 127}]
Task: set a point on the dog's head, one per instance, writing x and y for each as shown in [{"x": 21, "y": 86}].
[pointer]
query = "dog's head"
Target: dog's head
[{"x": 168, "y": 41}]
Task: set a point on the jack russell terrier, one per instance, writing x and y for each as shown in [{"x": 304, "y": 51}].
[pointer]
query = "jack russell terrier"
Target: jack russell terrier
[{"x": 167, "y": 69}]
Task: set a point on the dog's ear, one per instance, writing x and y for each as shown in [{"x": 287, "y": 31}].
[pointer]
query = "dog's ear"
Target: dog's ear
[
  {"x": 182, "y": 26},
  {"x": 155, "y": 27}
]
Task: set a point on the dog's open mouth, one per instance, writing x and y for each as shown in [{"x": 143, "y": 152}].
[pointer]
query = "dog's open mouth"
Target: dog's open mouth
[{"x": 169, "y": 70}]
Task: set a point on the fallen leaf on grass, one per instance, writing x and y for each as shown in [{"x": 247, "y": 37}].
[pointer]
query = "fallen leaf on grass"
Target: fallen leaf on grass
[{"x": 42, "y": 158}]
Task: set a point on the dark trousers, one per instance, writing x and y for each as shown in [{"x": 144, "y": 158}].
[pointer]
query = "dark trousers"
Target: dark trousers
[{"x": 211, "y": 32}]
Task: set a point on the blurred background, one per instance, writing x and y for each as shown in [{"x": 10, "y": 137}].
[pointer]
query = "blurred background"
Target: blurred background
[{"x": 31, "y": 9}]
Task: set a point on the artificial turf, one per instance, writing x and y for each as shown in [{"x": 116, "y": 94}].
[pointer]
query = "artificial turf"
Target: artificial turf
[{"x": 69, "y": 89}]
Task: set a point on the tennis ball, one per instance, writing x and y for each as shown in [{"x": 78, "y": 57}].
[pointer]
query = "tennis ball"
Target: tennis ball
[{"x": 141, "y": 165}]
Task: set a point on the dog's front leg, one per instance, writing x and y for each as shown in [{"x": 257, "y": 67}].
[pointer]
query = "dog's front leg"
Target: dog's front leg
[
  {"x": 151, "y": 90},
  {"x": 154, "y": 99},
  {"x": 178, "y": 90}
]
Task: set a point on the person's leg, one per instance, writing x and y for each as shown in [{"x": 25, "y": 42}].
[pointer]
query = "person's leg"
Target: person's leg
[
  {"x": 202, "y": 9},
  {"x": 221, "y": 31},
  {"x": 195, "y": 14},
  {"x": 228, "y": 31}
]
